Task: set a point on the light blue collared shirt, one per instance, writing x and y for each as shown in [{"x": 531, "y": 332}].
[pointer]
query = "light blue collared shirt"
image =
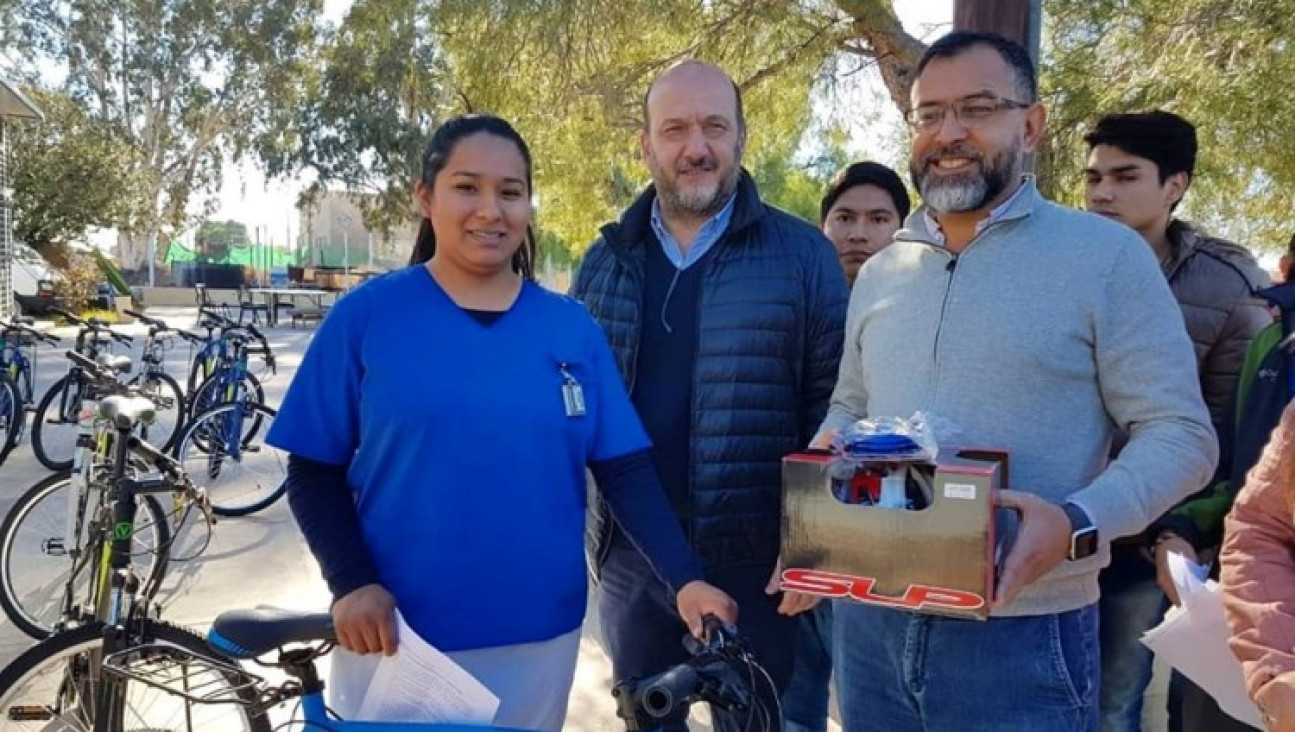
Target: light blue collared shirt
[{"x": 707, "y": 235}]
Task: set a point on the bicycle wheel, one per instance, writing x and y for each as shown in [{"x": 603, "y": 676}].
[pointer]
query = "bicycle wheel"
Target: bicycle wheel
[
  {"x": 205, "y": 396},
  {"x": 53, "y": 434},
  {"x": 12, "y": 416},
  {"x": 223, "y": 450},
  {"x": 36, "y": 559},
  {"x": 167, "y": 398},
  {"x": 57, "y": 685}
]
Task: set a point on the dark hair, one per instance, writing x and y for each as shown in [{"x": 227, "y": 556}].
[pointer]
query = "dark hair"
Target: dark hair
[
  {"x": 737, "y": 91},
  {"x": 1013, "y": 53},
  {"x": 866, "y": 174},
  {"x": 1164, "y": 138},
  {"x": 438, "y": 152}
]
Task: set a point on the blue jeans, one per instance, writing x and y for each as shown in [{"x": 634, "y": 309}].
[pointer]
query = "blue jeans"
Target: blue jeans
[
  {"x": 904, "y": 672},
  {"x": 805, "y": 700},
  {"x": 1132, "y": 603}
]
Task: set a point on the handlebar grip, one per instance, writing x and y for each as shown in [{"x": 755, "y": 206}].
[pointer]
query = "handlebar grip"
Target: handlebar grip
[
  {"x": 669, "y": 692},
  {"x": 66, "y": 314},
  {"x": 86, "y": 363},
  {"x": 145, "y": 319}
]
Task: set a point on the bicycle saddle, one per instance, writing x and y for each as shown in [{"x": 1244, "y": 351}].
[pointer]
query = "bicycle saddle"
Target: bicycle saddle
[
  {"x": 120, "y": 364},
  {"x": 127, "y": 411},
  {"x": 242, "y": 634}
]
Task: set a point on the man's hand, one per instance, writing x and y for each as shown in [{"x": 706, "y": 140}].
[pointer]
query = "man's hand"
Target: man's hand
[
  {"x": 697, "y": 599},
  {"x": 1042, "y": 542},
  {"x": 1169, "y": 542},
  {"x": 793, "y": 603},
  {"x": 823, "y": 441},
  {"x": 1277, "y": 700},
  {"x": 365, "y": 621}
]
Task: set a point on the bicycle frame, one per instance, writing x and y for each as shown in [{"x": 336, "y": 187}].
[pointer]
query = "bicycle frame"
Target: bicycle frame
[{"x": 18, "y": 367}]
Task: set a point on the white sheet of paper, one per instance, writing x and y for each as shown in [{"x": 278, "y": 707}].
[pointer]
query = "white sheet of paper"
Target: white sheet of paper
[
  {"x": 421, "y": 684},
  {"x": 1193, "y": 639}
]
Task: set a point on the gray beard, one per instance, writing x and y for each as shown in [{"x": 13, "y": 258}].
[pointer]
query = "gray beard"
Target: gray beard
[
  {"x": 956, "y": 195},
  {"x": 951, "y": 196},
  {"x": 702, "y": 203}
]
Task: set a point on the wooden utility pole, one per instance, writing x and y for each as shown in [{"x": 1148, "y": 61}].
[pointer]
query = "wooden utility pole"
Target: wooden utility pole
[{"x": 1015, "y": 19}]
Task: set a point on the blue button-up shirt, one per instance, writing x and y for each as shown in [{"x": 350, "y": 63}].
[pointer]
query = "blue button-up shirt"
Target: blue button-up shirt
[{"x": 707, "y": 235}]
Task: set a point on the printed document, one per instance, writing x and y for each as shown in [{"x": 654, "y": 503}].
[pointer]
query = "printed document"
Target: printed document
[
  {"x": 1194, "y": 639},
  {"x": 421, "y": 684}
]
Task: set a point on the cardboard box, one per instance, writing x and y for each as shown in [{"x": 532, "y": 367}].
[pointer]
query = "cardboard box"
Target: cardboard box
[{"x": 939, "y": 559}]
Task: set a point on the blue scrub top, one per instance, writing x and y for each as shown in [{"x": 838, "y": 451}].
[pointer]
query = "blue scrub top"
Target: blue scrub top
[{"x": 468, "y": 472}]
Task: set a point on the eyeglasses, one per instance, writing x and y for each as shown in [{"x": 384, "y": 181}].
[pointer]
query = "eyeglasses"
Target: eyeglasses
[{"x": 971, "y": 112}]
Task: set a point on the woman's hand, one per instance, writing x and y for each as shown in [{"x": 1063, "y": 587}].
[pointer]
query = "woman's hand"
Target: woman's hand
[
  {"x": 365, "y": 621},
  {"x": 698, "y": 599}
]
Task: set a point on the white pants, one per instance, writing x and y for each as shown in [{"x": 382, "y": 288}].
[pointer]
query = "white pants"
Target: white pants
[{"x": 532, "y": 680}]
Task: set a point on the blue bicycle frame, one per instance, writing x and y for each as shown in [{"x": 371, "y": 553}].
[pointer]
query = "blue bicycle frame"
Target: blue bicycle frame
[{"x": 15, "y": 364}]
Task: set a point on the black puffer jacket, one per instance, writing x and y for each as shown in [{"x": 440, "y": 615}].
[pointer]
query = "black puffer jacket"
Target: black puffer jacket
[{"x": 769, "y": 340}]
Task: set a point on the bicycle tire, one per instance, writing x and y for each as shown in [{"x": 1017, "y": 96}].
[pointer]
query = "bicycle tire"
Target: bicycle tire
[
  {"x": 13, "y": 414},
  {"x": 166, "y": 397},
  {"x": 203, "y": 456},
  {"x": 200, "y": 400},
  {"x": 23, "y": 608},
  {"x": 47, "y": 454},
  {"x": 69, "y": 665},
  {"x": 197, "y": 374}
]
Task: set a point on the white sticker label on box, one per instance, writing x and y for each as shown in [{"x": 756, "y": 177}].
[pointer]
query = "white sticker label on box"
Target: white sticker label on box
[{"x": 965, "y": 491}]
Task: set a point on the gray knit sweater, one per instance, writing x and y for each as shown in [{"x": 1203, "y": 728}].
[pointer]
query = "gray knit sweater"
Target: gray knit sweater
[{"x": 1050, "y": 332}]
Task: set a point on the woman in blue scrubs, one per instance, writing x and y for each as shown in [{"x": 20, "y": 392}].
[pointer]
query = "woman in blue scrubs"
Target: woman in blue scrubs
[{"x": 439, "y": 428}]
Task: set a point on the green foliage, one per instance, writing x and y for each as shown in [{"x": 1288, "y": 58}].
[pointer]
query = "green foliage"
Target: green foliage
[
  {"x": 71, "y": 174},
  {"x": 1222, "y": 64},
  {"x": 380, "y": 92},
  {"x": 80, "y": 277},
  {"x": 215, "y": 238},
  {"x": 569, "y": 74},
  {"x": 183, "y": 82}
]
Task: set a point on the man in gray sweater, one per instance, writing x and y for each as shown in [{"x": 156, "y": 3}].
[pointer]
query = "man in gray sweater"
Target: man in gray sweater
[{"x": 1030, "y": 327}]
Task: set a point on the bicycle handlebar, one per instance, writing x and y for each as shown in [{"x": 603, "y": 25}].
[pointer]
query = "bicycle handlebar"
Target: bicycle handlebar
[
  {"x": 93, "y": 325},
  {"x": 15, "y": 327},
  {"x": 93, "y": 369},
  {"x": 717, "y": 673}
]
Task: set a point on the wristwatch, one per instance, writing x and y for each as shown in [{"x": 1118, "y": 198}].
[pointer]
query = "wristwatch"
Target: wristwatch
[{"x": 1083, "y": 535}]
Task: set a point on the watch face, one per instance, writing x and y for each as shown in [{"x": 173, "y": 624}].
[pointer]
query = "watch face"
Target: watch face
[{"x": 1083, "y": 543}]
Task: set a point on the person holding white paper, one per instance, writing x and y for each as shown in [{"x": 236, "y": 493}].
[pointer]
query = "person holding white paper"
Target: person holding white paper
[
  {"x": 1258, "y": 578},
  {"x": 439, "y": 428}
]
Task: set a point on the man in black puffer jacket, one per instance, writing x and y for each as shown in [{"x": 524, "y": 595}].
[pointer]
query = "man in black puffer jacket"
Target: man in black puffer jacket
[{"x": 726, "y": 317}]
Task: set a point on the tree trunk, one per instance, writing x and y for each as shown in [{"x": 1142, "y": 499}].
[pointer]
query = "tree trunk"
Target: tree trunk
[{"x": 896, "y": 52}]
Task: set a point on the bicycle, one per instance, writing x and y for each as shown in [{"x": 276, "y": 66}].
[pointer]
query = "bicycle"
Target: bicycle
[
  {"x": 225, "y": 444},
  {"x": 158, "y": 385},
  {"x": 301, "y": 638},
  {"x": 16, "y": 381},
  {"x": 217, "y": 357},
  {"x": 56, "y": 531},
  {"x": 53, "y": 433},
  {"x": 60, "y": 684}
]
